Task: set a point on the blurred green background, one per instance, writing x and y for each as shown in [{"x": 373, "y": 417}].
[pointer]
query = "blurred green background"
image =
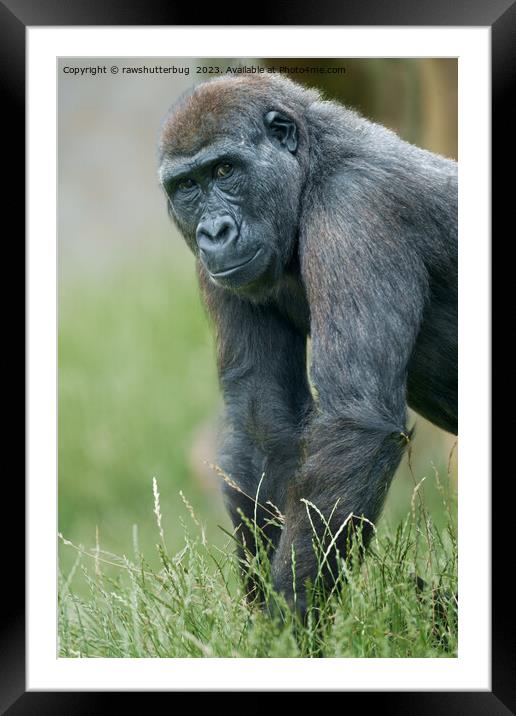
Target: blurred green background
[{"x": 138, "y": 394}]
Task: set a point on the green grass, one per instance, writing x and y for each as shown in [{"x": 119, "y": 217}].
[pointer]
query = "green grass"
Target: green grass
[
  {"x": 194, "y": 603},
  {"x": 136, "y": 380}
]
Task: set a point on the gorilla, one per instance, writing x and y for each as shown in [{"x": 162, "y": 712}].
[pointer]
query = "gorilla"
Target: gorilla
[{"x": 308, "y": 221}]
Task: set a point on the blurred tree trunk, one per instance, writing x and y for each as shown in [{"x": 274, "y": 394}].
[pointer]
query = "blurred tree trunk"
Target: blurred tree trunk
[{"x": 439, "y": 106}]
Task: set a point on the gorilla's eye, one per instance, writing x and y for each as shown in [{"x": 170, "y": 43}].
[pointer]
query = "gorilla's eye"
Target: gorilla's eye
[
  {"x": 185, "y": 184},
  {"x": 223, "y": 170}
]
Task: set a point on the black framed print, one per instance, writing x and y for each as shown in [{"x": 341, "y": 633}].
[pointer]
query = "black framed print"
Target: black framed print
[{"x": 258, "y": 320}]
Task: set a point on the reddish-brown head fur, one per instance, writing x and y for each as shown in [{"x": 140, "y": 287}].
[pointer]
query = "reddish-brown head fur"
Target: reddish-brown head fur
[
  {"x": 218, "y": 107},
  {"x": 200, "y": 116}
]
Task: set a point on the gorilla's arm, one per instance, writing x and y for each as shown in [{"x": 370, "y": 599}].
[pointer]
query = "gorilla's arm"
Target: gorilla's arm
[
  {"x": 366, "y": 286},
  {"x": 262, "y": 371}
]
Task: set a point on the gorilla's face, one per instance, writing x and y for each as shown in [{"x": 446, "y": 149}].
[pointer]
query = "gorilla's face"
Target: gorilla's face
[{"x": 236, "y": 202}]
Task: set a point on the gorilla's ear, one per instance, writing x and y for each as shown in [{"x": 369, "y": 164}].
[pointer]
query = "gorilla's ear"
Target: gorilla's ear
[{"x": 283, "y": 129}]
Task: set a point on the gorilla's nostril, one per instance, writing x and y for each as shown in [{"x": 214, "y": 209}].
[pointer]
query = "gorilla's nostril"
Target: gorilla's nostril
[
  {"x": 227, "y": 233},
  {"x": 224, "y": 231}
]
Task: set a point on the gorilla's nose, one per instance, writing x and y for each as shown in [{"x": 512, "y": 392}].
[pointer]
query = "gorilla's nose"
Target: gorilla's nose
[
  {"x": 216, "y": 239},
  {"x": 220, "y": 229}
]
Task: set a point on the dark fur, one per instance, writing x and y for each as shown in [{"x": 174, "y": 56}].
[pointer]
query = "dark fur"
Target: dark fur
[{"x": 360, "y": 233}]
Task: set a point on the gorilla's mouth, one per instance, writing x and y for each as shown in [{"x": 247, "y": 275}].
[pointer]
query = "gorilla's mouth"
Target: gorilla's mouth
[{"x": 229, "y": 270}]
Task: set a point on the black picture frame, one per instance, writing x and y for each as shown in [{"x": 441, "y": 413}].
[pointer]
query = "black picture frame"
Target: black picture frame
[{"x": 500, "y": 16}]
